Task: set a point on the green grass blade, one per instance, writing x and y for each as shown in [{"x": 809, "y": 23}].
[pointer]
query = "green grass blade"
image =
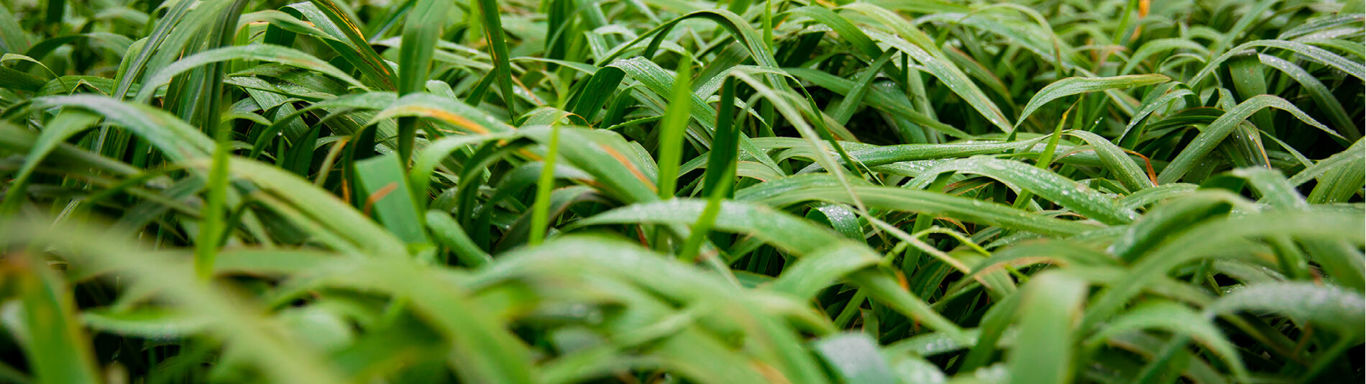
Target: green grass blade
[
  {"x": 540, "y": 211},
  {"x": 282, "y": 55},
  {"x": 1320, "y": 55},
  {"x": 1117, "y": 161},
  {"x": 174, "y": 279},
  {"x": 1214, "y": 236},
  {"x": 57, "y": 349},
  {"x": 448, "y": 233},
  {"x": 65, "y": 125},
  {"x": 175, "y": 138},
  {"x": 1044, "y": 183},
  {"x": 856, "y": 358},
  {"x": 912, "y": 42},
  {"x": 498, "y": 48},
  {"x": 12, "y": 36},
  {"x": 1330, "y": 307},
  {"x": 1081, "y": 85},
  {"x": 389, "y": 198},
  {"x": 361, "y": 54},
  {"x": 1221, "y": 128},
  {"x": 420, "y": 34},
  {"x": 1051, "y": 303},
  {"x": 671, "y": 131}
]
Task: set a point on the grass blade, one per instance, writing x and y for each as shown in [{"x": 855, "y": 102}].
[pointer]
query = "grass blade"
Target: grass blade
[
  {"x": 1221, "y": 128},
  {"x": 1081, "y": 85}
]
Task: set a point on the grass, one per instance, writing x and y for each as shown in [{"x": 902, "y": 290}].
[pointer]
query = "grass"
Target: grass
[{"x": 682, "y": 191}]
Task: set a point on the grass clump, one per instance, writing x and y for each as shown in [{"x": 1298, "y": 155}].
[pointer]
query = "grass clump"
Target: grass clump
[{"x": 661, "y": 191}]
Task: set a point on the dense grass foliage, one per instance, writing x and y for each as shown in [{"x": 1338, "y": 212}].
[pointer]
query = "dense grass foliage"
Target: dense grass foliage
[{"x": 671, "y": 191}]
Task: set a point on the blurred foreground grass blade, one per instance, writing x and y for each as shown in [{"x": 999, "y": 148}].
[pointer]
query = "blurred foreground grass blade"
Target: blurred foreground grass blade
[
  {"x": 174, "y": 279},
  {"x": 1329, "y": 307},
  {"x": 855, "y": 358},
  {"x": 479, "y": 349},
  {"x": 1164, "y": 221},
  {"x": 57, "y": 349},
  {"x": 1047, "y": 335},
  {"x": 1333, "y": 308}
]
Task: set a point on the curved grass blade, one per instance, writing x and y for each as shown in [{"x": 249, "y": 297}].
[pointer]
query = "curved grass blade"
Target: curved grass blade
[
  {"x": 176, "y": 139},
  {"x": 1080, "y": 85},
  {"x": 1320, "y": 55},
  {"x": 1353, "y": 154},
  {"x": 269, "y": 53},
  {"x": 933, "y": 60},
  {"x": 1177, "y": 319},
  {"x": 936, "y": 204},
  {"x": 67, "y": 124},
  {"x": 1218, "y": 130},
  {"x": 1331, "y": 307},
  {"x": 320, "y": 207},
  {"x": 1216, "y": 236},
  {"x": 1070, "y": 194},
  {"x": 338, "y": 21},
  {"x": 1116, "y": 161},
  {"x": 799, "y": 237}
]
